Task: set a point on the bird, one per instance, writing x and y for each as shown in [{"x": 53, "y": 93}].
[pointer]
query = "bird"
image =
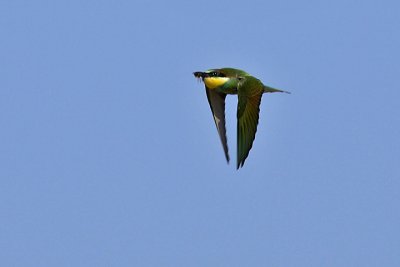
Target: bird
[{"x": 230, "y": 81}]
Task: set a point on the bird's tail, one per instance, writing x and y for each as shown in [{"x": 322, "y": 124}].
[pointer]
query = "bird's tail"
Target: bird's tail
[{"x": 268, "y": 89}]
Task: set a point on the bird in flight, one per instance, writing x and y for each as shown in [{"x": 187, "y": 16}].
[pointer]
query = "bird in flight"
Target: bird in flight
[{"x": 230, "y": 81}]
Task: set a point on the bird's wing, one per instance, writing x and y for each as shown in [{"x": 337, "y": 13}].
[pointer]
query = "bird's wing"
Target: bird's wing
[
  {"x": 217, "y": 105},
  {"x": 249, "y": 98}
]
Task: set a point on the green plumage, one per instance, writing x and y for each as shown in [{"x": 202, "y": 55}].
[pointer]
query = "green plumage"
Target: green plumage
[{"x": 249, "y": 90}]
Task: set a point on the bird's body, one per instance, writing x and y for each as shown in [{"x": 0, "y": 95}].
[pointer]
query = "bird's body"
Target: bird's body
[{"x": 221, "y": 82}]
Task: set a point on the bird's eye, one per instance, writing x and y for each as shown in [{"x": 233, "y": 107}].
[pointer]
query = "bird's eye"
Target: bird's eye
[{"x": 215, "y": 74}]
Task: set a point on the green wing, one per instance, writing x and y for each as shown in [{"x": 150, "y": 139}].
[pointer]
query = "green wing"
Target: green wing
[
  {"x": 217, "y": 105},
  {"x": 250, "y": 91}
]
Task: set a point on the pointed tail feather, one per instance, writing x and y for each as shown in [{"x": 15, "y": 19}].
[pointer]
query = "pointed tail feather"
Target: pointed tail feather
[{"x": 268, "y": 89}]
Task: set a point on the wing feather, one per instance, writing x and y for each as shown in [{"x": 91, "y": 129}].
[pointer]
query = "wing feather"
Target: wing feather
[
  {"x": 250, "y": 91},
  {"x": 217, "y": 105}
]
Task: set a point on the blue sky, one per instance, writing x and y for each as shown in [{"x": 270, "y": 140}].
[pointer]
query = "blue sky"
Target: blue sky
[{"x": 109, "y": 155}]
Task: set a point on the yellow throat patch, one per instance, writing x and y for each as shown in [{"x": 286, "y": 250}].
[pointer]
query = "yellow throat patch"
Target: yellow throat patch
[{"x": 214, "y": 82}]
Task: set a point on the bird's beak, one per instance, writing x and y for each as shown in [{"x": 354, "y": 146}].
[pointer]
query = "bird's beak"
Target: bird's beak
[{"x": 198, "y": 74}]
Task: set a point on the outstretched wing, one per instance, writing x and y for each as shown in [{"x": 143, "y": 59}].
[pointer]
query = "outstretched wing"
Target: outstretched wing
[
  {"x": 250, "y": 91},
  {"x": 217, "y": 105}
]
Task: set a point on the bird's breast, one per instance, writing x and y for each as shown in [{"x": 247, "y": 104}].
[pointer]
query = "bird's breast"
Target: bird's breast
[{"x": 214, "y": 82}]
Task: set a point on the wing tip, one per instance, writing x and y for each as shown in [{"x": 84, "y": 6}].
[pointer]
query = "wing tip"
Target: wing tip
[{"x": 239, "y": 164}]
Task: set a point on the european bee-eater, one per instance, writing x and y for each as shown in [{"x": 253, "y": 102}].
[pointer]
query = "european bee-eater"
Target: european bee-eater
[{"x": 230, "y": 81}]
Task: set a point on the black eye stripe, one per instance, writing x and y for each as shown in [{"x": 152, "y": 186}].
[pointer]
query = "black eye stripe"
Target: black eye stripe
[{"x": 215, "y": 74}]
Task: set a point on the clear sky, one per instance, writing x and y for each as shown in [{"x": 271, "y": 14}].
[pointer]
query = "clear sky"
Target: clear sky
[{"x": 109, "y": 155}]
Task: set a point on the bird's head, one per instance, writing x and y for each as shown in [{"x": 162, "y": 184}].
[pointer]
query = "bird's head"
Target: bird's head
[{"x": 214, "y": 78}]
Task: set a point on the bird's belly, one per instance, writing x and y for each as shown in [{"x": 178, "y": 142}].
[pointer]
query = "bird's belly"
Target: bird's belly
[{"x": 228, "y": 91}]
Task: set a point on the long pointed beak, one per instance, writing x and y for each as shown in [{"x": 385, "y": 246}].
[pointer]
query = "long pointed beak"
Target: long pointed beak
[{"x": 198, "y": 74}]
